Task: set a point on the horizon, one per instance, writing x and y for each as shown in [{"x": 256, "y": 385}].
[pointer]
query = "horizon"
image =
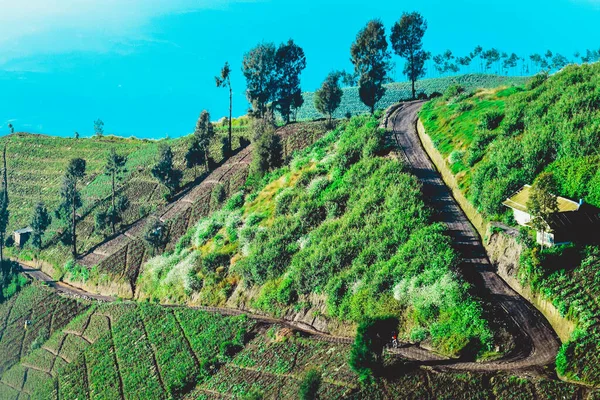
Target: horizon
[{"x": 149, "y": 71}]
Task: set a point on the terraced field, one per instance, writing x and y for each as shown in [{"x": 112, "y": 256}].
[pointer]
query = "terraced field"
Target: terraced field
[
  {"x": 28, "y": 319},
  {"x": 127, "y": 351}
]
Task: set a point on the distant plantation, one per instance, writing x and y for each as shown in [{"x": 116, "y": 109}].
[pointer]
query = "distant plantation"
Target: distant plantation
[{"x": 398, "y": 91}]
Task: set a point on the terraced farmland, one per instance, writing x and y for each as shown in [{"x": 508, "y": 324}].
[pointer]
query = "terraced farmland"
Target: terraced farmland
[
  {"x": 45, "y": 313},
  {"x": 127, "y": 351}
]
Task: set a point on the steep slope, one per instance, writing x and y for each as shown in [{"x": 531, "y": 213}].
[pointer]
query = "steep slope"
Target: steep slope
[{"x": 341, "y": 234}]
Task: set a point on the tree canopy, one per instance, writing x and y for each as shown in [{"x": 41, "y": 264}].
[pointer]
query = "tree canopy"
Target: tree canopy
[
  {"x": 370, "y": 56},
  {"x": 407, "y": 42},
  {"x": 329, "y": 95}
]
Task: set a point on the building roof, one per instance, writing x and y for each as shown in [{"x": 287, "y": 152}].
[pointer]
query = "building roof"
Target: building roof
[
  {"x": 518, "y": 201},
  {"x": 24, "y": 230}
]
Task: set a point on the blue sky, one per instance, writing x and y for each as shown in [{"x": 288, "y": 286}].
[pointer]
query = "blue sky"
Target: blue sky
[{"x": 146, "y": 67}]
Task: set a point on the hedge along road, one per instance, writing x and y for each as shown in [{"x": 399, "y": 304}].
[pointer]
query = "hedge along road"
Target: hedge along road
[{"x": 536, "y": 342}]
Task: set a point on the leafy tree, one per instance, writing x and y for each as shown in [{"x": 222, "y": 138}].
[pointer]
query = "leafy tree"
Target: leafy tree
[
  {"x": 76, "y": 135},
  {"x": 155, "y": 234},
  {"x": 370, "y": 56},
  {"x": 217, "y": 196},
  {"x": 268, "y": 153},
  {"x": 329, "y": 96},
  {"x": 164, "y": 171},
  {"x": 477, "y": 51},
  {"x": 195, "y": 155},
  {"x": 11, "y": 127},
  {"x": 259, "y": 68},
  {"x": 491, "y": 57},
  {"x": 4, "y": 213},
  {"x": 542, "y": 201},
  {"x": 114, "y": 214},
  {"x": 348, "y": 79},
  {"x": 366, "y": 356},
  {"x": 71, "y": 200},
  {"x": 510, "y": 62},
  {"x": 204, "y": 133},
  {"x": 559, "y": 61},
  {"x": 310, "y": 384},
  {"x": 39, "y": 223},
  {"x": 115, "y": 168},
  {"x": 290, "y": 61},
  {"x": 407, "y": 42},
  {"x": 99, "y": 127},
  {"x": 224, "y": 81}
]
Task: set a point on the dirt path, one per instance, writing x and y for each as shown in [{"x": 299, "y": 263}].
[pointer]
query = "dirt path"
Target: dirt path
[{"x": 539, "y": 344}]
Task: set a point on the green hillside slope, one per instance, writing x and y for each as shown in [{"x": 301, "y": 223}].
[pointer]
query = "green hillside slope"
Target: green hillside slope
[
  {"x": 495, "y": 142},
  {"x": 345, "y": 224},
  {"x": 402, "y": 90},
  {"x": 36, "y": 166}
]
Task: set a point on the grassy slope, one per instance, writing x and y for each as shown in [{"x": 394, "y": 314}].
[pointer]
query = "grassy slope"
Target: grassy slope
[
  {"x": 402, "y": 90},
  {"x": 553, "y": 127},
  {"x": 36, "y": 165},
  {"x": 344, "y": 224}
]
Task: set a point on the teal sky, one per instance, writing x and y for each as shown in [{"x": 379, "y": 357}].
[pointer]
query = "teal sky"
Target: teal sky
[{"x": 146, "y": 67}]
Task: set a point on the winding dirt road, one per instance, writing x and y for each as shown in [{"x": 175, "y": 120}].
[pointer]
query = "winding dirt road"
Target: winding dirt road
[{"x": 537, "y": 344}]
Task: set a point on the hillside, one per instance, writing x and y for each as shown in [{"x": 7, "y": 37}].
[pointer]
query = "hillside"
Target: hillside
[
  {"x": 340, "y": 234},
  {"x": 36, "y": 166},
  {"x": 399, "y": 91},
  {"x": 494, "y": 142}
]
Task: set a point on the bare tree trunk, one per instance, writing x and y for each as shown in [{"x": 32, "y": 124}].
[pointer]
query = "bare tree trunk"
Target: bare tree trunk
[
  {"x": 114, "y": 210},
  {"x": 74, "y": 224},
  {"x": 230, "y": 145}
]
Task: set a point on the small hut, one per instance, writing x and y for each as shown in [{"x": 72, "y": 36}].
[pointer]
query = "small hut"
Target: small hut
[{"x": 22, "y": 236}]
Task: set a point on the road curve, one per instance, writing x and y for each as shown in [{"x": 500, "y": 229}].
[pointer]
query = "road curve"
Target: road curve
[{"x": 537, "y": 344}]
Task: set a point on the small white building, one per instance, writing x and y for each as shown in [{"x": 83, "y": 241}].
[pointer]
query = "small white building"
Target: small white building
[{"x": 560, "y": 224}]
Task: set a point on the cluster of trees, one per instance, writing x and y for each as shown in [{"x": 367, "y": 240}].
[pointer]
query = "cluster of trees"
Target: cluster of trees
[
  {"x": 273, "y": 78},
  {"x": 494, "y": 60},
  {"x": 371, "y": 59}
]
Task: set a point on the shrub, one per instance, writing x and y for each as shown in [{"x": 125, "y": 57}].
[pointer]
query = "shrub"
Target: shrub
[
  {"x": 491, "y": 120},
  {"x": 217, "y": 196},
  {"x": 310, "y": 384},
  {"x": 537, "y": 80},
  {"x": 464, "y": 106},
  {"x": 453, "y": 91}
]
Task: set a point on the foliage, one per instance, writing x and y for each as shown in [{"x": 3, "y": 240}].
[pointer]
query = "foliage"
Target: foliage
[
  {"x": 164, "y": 171},
  {"x": 309, "y": 387},
  {"x": 155, "y": 233},
  {"x": 329, "y": 95},
  {"x": 290, "y": 61},
  {"x": 542, "y": 200},
  {"x": 39, "y": 223},
  {"x": 370, "y": 57},
  {"x": 267, "y": 153},
  {"x": 548, "y": 127},
  {"x": 367, "y": 351},
  {"x": 406, "y": 39}
]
